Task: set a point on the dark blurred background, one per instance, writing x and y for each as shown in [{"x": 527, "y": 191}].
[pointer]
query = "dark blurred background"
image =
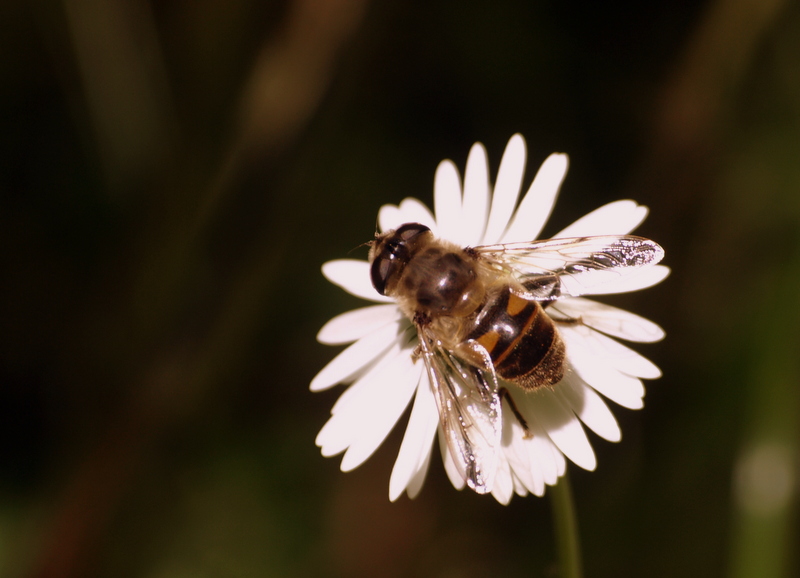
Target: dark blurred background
[{"x": 173, "y": 174}]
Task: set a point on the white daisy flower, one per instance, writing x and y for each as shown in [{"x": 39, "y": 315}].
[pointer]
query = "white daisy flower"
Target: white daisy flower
[{"x": 536, "y": 429}]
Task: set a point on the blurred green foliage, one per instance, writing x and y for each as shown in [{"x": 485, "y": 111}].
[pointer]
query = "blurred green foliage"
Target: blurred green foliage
[{"x": 173, "y": 174}]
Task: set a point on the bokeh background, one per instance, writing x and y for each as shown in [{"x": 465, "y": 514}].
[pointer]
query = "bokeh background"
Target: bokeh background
[{"x": 173, "y": 174}]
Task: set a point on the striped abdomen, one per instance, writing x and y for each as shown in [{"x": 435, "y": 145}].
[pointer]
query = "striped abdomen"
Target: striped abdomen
[{"x": 522, "y": 341}]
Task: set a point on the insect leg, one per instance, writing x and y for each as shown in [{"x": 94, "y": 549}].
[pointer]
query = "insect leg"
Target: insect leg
[{"x": 505, "y": 394}]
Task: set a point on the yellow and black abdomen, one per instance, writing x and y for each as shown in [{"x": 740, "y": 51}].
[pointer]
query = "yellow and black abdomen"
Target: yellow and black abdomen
[{"x": 521, "y": 339}]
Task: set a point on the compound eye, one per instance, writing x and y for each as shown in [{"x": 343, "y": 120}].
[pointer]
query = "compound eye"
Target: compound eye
[
  {"x": 381, "y": 270},
  {"x": 410, "y": 231},
  {"x": 394, "y": 254},
  {"x": 390, "y": 261}
]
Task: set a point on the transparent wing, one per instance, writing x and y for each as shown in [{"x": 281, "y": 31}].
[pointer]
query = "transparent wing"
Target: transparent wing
[
  {"x": 554, "y": 268},
  {"x": 469, "y": 410}
]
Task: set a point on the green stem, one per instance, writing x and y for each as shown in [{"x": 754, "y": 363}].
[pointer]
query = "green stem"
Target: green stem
[{"x": 565, "y": 523}]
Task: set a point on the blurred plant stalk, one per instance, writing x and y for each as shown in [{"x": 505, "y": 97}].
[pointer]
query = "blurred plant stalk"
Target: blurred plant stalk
[{"x": 765, "y": 481}]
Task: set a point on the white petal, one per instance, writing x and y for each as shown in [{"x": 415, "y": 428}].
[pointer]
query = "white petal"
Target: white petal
[
  {"x": 357, "y": 323},
  {"x": 538, "y": 203},
  {"x": 449, "y": 464},
  {"x": 521, "y": 453},
  {"x": 561, "y": 462},
  {"x": 620, "y": 388},
  {"x": 529, "y": 480},
  {"x": 610, "y": 320},
  {"x": 636, "y": 281},
  {"x": 514, "y": 447},
  {"x": 563, "y": 427},
  {"x": 506, "y": 189},
  {"x": 447, "y": 200},
  {"x": 503, "y": 487},
  {"x": 534, "y": 460},
  {"x": 389, "y": 218},
  {"x": 370, "y": 374},
  {"x": 414, "y": 211},
  {"x": 475, "y": 209},
  {"x": 617, "y": 218},
  {"x": 589, "y": 407},
  {"x": 381, "y": 410},
  {"x": 415, "y": 450},
  {"x": 353, "y": 276},
  {"x": 597, "y": 281},
  {"x": 519, "y": 487},
  {"x": 353, "y": 415},
  {"x": 410, "y": 211},
  {"x": 415, "y": 483},
  {"x": 545, "y": 457},
  {"x": 357, "y": 356},
  {"x": 622, "y": 358},
  {"x": 342, "y": 428}
]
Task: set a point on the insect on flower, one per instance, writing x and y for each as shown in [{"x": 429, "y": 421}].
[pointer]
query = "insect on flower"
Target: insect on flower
[{"x": 513, "y": 355}]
